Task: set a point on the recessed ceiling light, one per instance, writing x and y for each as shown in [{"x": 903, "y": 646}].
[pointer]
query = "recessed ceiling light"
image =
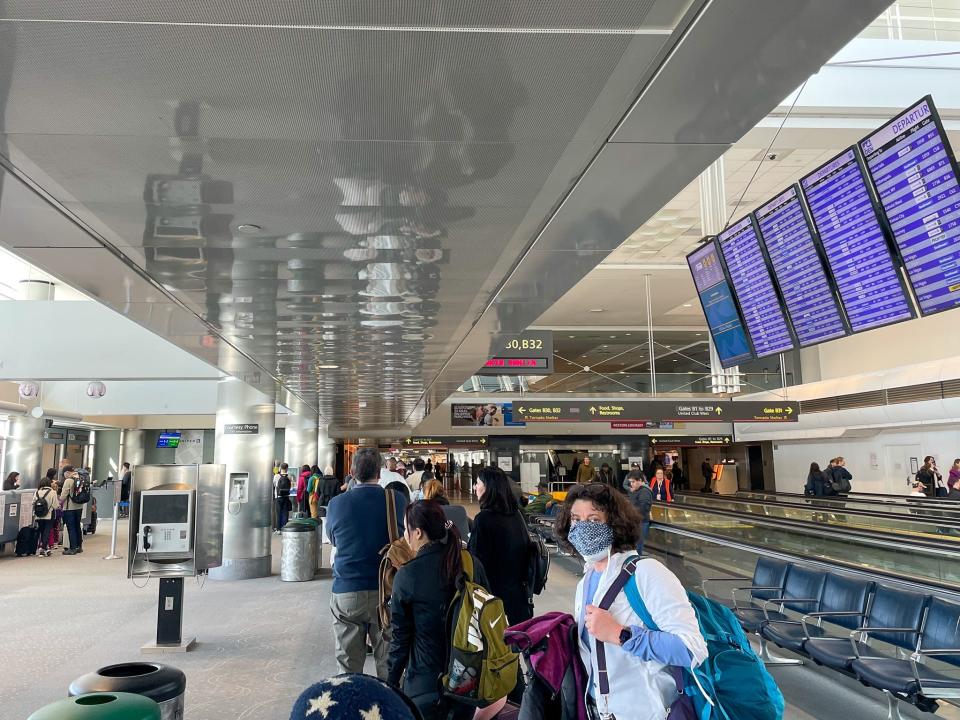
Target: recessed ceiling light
[
  {"x": 628, "y": 334},
  {"x": 327, "y": 367},
  {"x": 595, "y": 310},
  {"x": 688, "y": 304},
  {"x": 571, "y": 336},
  {"x": 613, "y": 337},
  {"x": 249, "y": 228}
]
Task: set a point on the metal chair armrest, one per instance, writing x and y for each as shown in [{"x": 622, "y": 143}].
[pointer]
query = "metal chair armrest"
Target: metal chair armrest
[
  {"x": 934, "y": 652},
  {"x": 704, "y": 581},
  {"x": 855, "y": 635},
  {"x": 750, "y": 588},
  {"x": 916, "y": 657},
  {"x": 782, "y": 601},
  {"x": 828, "y": 613}
]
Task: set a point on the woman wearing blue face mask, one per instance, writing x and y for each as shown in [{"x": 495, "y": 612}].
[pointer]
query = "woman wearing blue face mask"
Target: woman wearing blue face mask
[{"x": 602, "y": 526}]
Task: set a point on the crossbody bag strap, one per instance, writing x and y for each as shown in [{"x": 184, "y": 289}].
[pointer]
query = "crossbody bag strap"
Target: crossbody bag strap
[
  {"x": 626, "y": 572},
  {"x": 393, "y": 531}
]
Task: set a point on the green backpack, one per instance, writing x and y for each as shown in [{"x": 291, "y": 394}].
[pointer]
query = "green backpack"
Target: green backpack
[{"x": 481, "y": 668}]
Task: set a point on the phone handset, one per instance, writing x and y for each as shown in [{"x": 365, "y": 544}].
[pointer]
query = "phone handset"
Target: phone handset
[{"x": 147, "y": 530}]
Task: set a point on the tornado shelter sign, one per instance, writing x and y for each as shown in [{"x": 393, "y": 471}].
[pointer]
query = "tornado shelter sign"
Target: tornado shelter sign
[{"x": 241, "y": 429}]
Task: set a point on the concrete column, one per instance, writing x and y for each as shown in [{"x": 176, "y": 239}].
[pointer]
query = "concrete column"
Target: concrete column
[
  {"x": 247, "y": 525},
  {"x": 327, "y": 449},
  {"x": 134, "y": 447},
  {"x": 300, "y": 440},
  {"x": 24, "y": 453}
]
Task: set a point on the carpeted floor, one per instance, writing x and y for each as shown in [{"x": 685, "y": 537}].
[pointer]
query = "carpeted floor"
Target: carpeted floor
[{"x": 261, "y": 642}]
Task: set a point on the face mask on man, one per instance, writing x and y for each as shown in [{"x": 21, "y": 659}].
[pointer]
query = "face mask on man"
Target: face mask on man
[{"x": 591, "y": 539}]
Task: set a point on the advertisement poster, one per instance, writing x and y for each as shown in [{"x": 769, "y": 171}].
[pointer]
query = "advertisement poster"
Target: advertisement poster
[{"x": 483, "y": 415}]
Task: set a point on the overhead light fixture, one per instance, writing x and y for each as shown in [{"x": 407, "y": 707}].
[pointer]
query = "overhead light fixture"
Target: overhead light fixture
[
  {"x": 595, "y": 310},
  {"x": 249, "y": 228},
  {"x": 688, "y": 304},
  {"x": 327, "y": 367}
]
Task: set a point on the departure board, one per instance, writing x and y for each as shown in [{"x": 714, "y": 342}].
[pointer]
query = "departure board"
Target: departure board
[
  {"x": 723, "y": 319},
  {"x": 762, "y": 312},
  {"x": 812, "y": 307},
  {"x": 911, "y": 164},
  {"x": 858, "y": 256}
]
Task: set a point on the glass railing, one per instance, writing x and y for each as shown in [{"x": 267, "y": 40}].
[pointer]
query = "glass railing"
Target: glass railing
[
  {"x": 846, "y": 514},
  {"x": 918, "y": 559},
  {"x": 905, "y": 505},
  {"x": 590, "y": 382}
]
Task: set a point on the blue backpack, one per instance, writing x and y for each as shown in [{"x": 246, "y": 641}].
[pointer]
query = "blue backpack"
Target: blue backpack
[{"x": 732, "y": 683}]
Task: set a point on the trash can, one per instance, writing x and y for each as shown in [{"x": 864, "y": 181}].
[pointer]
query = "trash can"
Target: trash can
[
  {"x": 101, "y": 706},
  {"x": 298, "y": 551},
  {"x": 163, "y": 684}
]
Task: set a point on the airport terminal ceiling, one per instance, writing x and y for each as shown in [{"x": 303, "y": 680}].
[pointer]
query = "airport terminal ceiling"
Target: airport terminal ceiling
[{"x": 354, "y": 200}]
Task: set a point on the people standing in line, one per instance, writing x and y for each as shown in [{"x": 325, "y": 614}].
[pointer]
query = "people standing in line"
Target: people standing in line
[
  {"x": 402, "y": 469},
  {"x": 126, "y": 478},
  {"x": 607, "y": 476},
  {"x": 501, "y": 542},
  {"x": 586, "y": 473},
  {"x": 303, "y": 503},
  {"x": 389, "y": 474},
  {"x": 401, "y": 489},
  {"x": 641, "y": 497},
  {"x": 706, "y": 468},
  {"x": 660, "y": 487},
  {"x": 329, "y": 487},
  {"x": 313, "y": 491},
  {"x": 282, "y": 486},
  {"x": 45, "y": 520},
  {"x": 71, "y": 510},
  {"x": 457, "y": 514},
  {"x": 357, "y": 527},
  {"x": 413, "y": 479},
  {"x": 423, "y": 589},
  {"x": 12, "y": 481},
  {"x": 604, "y": 529},
  {"x": 930, "y": 476}
]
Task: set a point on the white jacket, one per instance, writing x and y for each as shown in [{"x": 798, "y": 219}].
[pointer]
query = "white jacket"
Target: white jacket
[{"x": 641, "y": 689}]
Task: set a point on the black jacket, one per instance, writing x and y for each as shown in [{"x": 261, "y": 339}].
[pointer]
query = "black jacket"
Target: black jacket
[
  {"x": 329, "y": 488},
  {"x": 457, "y": 514},
  {"x": 501, "y": 542},
  {"x": 838, "y": 474},
  {"x": 642, "y": 500},
  {"x": 607, "y": 478},
  {"x": 818, "y": 485},
  {"x": 420, "y": 636}
]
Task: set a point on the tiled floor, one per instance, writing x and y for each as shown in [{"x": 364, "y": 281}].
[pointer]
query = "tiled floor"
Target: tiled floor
[{"x": 260, "y": 641}]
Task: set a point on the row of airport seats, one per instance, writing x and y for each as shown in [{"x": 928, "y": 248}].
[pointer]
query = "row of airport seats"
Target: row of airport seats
[{"x": 788, "y": 603}]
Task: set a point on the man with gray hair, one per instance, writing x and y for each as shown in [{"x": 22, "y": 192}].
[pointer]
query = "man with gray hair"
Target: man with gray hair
[{"x": 357, "y": 526}]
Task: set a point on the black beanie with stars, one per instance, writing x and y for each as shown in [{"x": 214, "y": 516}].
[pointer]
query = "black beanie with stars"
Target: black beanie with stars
[{"x": 353, "y": 697}]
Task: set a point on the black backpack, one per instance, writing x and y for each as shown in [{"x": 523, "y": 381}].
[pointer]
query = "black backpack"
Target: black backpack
[
  {"x": 538, "y": 562},
  {"x": 283, "y": 486},
  {"x": 81, "y": 488},
  {"x": 40, "y": 505}
]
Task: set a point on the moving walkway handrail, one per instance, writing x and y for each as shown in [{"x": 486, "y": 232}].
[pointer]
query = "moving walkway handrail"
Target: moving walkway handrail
[
  {"x": 921, "y": 585},
  {"x": 940, "y": 548},
  {"x": 936, "y": 521},
  {"x": 880, "y": 498}
]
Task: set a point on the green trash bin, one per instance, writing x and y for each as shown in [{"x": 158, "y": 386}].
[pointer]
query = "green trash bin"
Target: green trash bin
[{"x": 100, "y": 706}]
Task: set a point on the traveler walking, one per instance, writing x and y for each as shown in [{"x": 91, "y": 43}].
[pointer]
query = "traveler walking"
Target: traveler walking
[
  {"x": 586, "y": 473},
  {"x": 389, "y": 474},
  {"x": 313, "y": 491},
  {"x": 457, "y": 514},
  {"x": 679, "y": 480},
  {"x": 501, "y": 542},
  {"x": 707, "y": 470},
  {"x": 73, "y": 499},
  {"x": 420, "y": 636},
  {"x": 641, "y": 497},
  {"x": 45, "y": 503},
  {"x": 358, "y": 529},
  {"x": 817, "y": 482},
  {"x": 607, "y": 476},
  {"x": 637, "y": 682},
  {"x": 660, "y": 487},
  {"x": 839, "y": 477}
]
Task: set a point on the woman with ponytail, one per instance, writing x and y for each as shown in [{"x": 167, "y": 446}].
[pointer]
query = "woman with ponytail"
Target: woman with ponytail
[{"x": 422, "y": 592}]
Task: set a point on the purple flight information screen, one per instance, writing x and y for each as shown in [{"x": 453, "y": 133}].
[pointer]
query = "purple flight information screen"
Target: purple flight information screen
[
  {"x": 761, "y": 308},
  {"x": 856, "y": 248},
  {"x": 910, "y": 164},
  {"x": 803, "y": 282},
  {"x": 719, "y": 308}
]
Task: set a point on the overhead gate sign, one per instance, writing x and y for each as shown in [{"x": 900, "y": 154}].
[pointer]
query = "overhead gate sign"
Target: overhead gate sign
[{"x": 564, "y": 411}]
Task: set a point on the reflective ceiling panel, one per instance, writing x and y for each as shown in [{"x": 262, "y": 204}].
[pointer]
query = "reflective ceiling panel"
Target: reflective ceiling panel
[{"x": 329, "y": 197}]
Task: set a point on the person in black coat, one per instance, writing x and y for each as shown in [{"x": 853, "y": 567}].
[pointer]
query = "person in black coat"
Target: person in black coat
[
  {"x": 329, "y": 488},
  {"x": 422, "y": 592},
  {"x": 501, "y": 542},
  {"x": 817, "y": 482}
]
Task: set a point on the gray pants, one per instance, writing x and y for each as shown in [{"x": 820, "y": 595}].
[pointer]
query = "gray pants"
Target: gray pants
[{"x": 354, "y": 617}]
